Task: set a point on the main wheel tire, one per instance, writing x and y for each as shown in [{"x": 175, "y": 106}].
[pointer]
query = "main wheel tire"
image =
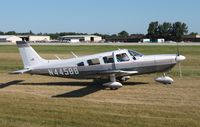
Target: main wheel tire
[{"x": 113, "y": 88}]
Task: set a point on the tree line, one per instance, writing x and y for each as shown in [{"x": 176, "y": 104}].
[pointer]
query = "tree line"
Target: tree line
[
  {"x": 168, "y": 31},
  {"x": 52, "y": 35}
]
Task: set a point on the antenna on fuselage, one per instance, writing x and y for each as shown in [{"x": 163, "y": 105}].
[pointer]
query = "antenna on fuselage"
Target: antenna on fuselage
[
  {"x": 116, "y": 47},
  {"x": 57, "y": 57},
  {"x": 74, "y": 54}
]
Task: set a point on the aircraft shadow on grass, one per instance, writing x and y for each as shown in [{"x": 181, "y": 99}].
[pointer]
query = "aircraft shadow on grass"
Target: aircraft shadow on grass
[
  {"x": 88, "y": 87},
  {"x": 14, "y": 82}
]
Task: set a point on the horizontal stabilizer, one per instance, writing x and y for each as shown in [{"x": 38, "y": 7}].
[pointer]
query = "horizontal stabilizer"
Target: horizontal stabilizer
[{"x": 21, "y": 71}]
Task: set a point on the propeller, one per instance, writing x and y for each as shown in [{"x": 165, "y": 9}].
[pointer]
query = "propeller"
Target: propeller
[
  {"x": 179, "y": 58},
  {"x": 180, "y": 70},
  {"x": 177, "y": 49}
]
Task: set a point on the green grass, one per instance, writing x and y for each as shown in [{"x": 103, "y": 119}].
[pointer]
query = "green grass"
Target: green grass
[
  {"x": 141, "y": 102},
  {"x": 85, "y": 49}
]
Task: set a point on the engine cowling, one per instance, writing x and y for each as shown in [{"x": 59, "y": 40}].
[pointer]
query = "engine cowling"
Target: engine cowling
[
  {"x": 164, "y": 80},
  {"x": 113, "y": 85}
]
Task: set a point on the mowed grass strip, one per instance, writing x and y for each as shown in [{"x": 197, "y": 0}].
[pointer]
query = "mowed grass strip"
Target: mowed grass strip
[
  {"x": 141, "y": 102},
  {"x": 139, "y": 105}
]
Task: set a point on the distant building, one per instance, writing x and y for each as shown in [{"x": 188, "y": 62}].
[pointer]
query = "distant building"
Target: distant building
[
  {"x": 192, "y": 38},
  {"x": 80, "y": 38},
  {"x": 9, "y": 38},
  {"x": 35, "y": 38}
]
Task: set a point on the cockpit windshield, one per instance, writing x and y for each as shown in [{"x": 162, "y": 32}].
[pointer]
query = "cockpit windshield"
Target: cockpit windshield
[{"x": 135, "y": 54}]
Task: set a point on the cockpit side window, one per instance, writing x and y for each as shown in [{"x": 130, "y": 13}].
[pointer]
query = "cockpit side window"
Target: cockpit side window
[
  {"x": 122, "y": 57},
  {"x": 108, "y": 59}
]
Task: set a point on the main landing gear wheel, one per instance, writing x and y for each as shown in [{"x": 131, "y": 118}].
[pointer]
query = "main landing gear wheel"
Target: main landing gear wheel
[{"x": 113, "y": 85}]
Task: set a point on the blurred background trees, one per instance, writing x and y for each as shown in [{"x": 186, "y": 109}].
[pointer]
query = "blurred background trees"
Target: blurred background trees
[{"x": 167, "y": 30}]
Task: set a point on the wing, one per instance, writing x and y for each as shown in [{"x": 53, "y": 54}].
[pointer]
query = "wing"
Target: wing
[{"x": 118, "y": 73}]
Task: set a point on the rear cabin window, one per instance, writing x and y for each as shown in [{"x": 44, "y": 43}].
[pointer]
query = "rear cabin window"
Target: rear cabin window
[
  {"x": 93, "y": 62},
  {"x": 108, "y": 59},
  {"x": 80, "y": 64}
]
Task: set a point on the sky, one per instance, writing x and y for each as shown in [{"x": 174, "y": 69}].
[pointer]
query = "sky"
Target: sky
[{"x": 90, "y": 16}]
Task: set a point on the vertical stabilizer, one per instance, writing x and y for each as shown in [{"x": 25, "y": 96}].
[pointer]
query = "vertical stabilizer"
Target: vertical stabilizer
[{"x": 29, "y": 56}]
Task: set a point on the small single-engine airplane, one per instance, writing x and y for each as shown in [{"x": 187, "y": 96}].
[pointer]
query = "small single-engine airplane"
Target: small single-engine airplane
[{"x": 114, "y": 66}]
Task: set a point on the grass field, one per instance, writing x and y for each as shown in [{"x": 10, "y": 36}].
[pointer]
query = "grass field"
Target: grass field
[{"x": 38, "y": 101}]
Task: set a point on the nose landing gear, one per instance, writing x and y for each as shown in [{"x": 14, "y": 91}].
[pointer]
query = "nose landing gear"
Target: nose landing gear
[{"x": 164, "y": 79}]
